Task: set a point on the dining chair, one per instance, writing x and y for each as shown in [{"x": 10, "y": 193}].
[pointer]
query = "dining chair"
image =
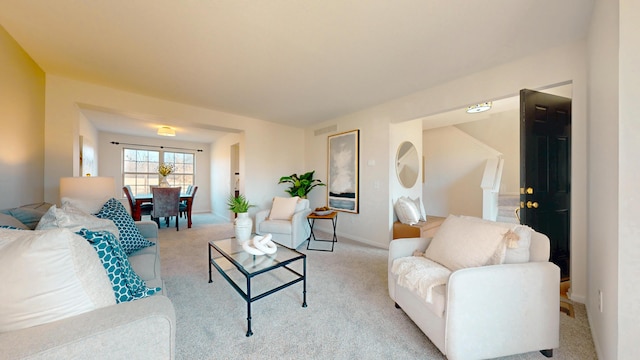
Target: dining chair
[
  {"x": 166, "y": 203},
  {"x": 183, "y": 204},
  {"x": 145, "y": 209}
]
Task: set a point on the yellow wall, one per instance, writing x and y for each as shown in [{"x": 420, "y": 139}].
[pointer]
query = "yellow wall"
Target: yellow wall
[{"x": 22, "y": 119}]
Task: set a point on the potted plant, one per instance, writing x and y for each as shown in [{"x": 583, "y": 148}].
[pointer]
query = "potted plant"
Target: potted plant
[
  {"x": 165, "y": 169},
  {"x": 242, "y": 224},
  {"x": 301, "y": 185}
]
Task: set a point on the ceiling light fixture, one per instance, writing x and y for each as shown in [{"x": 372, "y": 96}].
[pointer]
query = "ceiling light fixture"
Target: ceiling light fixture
[
  {"x": 166, "y": 131},
  {"x": 479, "y": 108}
]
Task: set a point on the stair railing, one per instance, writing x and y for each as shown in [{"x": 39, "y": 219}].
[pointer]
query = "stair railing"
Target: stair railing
[{"x": 491, "y": 187}]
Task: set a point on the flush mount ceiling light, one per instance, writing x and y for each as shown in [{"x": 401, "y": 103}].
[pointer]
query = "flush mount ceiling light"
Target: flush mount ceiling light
[
  {"x": 479, "y": 108},
  {"x": 166, "y": 131}
]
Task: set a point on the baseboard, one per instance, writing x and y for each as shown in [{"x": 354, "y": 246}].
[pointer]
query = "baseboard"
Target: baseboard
[
  {"x": 577, "y": 298},
  {"x": 329, "y": 230}
]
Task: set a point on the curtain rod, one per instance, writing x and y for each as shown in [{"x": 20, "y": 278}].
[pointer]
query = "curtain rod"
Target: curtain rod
[{"x": 158, "y": 146}]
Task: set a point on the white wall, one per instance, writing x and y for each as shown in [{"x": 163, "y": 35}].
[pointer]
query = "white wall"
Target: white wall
[
  {"x": 614, "y": 147},
  {"x": 372, "y": 224},
  {"x": 629, "y": 226},
  {"x": 89, "y": 140},
  {"x": 22, "y": 120},
  {"x": 270, "y": 149},
  {"x": 501, "y": 131},
  {"x": 111, "y": 157},
  {"x": 454, "y": 166},
  {"x": 604, "y": 178},
  {"x": 220, "y": 174}
]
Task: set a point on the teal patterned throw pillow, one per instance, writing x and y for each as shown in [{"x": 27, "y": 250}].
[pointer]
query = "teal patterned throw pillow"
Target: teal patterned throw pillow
[
  {"x": 130, "y": 237},
  {"x": 127, "y": 285}
]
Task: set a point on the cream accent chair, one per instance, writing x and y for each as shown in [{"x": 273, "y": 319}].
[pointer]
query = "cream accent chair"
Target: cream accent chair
[
  {"x": 487, "y": 311},
  {"x": 290, "y": 233}
]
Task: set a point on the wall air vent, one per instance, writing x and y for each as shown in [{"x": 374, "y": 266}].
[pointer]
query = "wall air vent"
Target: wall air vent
[{"x": 326, "y": 130}]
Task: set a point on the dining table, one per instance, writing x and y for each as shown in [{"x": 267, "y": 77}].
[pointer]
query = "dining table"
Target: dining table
[{"x": 148, "y": 198}]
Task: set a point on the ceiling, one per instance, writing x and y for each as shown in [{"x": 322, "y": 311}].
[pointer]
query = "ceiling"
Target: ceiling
[{"x": 287, "y": 61}]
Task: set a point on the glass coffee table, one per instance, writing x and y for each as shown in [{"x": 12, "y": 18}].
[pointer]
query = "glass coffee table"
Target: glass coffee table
[{"x": 227, "y": 256}]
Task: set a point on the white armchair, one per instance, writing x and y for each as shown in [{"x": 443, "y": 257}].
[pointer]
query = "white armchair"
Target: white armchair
[
  {"x": 486, "y": 311},
  {"x": 288, "y": 232}
]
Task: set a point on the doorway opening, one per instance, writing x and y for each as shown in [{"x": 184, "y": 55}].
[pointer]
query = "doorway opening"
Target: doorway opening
[
  {"x": 234, "y": 169},
  {"x": 499, "y": 130}
]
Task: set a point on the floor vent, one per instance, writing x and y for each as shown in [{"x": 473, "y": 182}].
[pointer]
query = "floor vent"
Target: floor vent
[{"x": 325, "y": 130}]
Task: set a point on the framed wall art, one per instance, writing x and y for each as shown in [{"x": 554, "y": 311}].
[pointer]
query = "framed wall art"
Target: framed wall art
[{"x": 343, "y": 171}]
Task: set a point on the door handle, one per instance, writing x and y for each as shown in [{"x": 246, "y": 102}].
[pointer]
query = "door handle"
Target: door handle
[
  {"x": 532, "y": 204},
  {"x": 529, "y": 191}
]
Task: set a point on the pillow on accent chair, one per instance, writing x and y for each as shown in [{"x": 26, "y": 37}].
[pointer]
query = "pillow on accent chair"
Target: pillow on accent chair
[
  {"x": 462, "y": 243},
  {"x": 283, "y": 208},
  {"x": 126, "y": 284},
  {"x": 130, "y": 237},
  {"x": 48, "y": 275}
]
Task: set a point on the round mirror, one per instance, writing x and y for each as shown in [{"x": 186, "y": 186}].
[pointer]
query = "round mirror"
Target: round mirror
[{"x": 407, "y": 164}]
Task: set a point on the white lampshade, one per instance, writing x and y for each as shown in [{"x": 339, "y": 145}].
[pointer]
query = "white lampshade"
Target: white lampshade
[{"x": 89, "y": 187}]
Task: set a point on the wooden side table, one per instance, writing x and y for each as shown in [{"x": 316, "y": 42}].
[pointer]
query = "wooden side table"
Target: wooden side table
[
  {"x": 422, "y": 229},
  {"x": 311, "y": 218}
]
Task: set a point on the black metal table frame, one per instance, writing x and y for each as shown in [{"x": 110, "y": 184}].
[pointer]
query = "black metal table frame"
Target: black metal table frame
[
  {"x": 312, "y": 221},
  {"x": 247, "y": 296}
]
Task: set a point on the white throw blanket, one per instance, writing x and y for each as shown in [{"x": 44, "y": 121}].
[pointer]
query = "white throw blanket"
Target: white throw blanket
[{"x": 419, "y": 274}]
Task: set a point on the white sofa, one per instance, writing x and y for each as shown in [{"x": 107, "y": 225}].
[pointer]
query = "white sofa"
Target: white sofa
[
  {"x": 486, "y": 311},
  {"x": 140, "y": 329}
]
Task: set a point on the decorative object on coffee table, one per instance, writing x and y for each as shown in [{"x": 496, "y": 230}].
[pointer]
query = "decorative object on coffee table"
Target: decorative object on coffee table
[
  {"x": 242, "y": 224},
  {"x": 260, "y": 245}
]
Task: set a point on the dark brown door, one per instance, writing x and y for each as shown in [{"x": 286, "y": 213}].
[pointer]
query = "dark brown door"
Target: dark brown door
[{"x": 545, "y": 170}]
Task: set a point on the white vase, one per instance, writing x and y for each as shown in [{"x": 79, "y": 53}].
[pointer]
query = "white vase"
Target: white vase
[
  {"x": 164, "y": 182},
  {"x": 242, "y": 227}
]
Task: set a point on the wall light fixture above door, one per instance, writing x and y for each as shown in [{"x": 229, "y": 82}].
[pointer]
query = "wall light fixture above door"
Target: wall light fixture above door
[{"x": 479, "y": 107}]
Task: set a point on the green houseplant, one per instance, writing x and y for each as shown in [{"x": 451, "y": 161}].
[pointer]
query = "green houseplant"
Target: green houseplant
[
  {"x": 238, "y": 204},
  {"x": 300, "y": 185},
  {"x": 243, "y": 224}
]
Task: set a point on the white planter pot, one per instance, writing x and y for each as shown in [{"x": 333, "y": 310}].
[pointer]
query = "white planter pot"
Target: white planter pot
[{"x": 242, "y": 226}]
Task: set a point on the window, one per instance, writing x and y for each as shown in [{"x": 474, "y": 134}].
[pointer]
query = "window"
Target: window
[
  {"x": 184, "y": 168},
  {"x": 141, "y": 169}
]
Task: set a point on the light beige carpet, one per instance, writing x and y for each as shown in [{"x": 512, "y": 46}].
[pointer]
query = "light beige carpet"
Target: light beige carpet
[{"x": 349, "y": 315}]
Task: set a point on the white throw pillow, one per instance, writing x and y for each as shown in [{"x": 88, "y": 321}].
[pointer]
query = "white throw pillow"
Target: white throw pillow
[
  {"x": 75, "y": 219},
  {"x": 521, "y": 252},
  {"x": 283, "y": 208},
  {"x": 49, "y": 275},
  {"x": 89, "y": 206},
  {"x": 420, "y": 207},
  {"x": 462, "y": 243},
  {"x": 407, "y": 211}
]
